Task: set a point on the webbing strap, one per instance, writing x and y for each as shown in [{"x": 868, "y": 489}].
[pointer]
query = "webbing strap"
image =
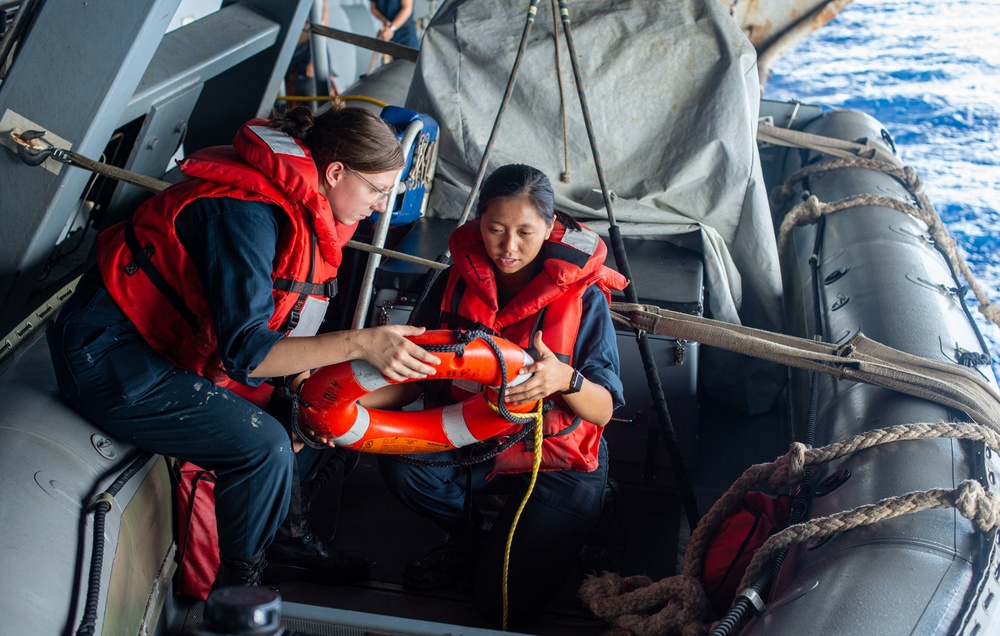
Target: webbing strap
[
  {"x": 328, "y": 289},
  {"x": 830, "y": 145},
  {"x": 141, "y": 260}
]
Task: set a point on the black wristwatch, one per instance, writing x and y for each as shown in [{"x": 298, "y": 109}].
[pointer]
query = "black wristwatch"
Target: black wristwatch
[{"x": 575, "y": 384}]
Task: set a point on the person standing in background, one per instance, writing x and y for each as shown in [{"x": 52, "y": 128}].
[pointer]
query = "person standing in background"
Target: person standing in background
[{"x": 396, "y": 17}]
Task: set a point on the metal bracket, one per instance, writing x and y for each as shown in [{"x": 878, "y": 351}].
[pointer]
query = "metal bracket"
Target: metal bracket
[
  {"x": 14, "y": 127},
  {"x": 751, "y": 595}
]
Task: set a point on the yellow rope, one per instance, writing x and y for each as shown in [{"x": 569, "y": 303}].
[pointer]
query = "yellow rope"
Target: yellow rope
[
  {"x": 363, "y": 98},
  {"x": 330, "y": 98},
  {"x": 305, "y": 98},
  {"x": 535, "y": 467}
]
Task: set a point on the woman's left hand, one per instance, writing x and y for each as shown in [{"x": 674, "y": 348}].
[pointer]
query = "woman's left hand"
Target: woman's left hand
[
  {"x": 298, "y": 444},
  {"x": 548, "y": 375}
]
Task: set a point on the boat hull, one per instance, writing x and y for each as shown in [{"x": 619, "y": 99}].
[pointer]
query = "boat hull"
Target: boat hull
[
  {"x": 878, "y": 273},
  {"x": 53, "y": 465}
]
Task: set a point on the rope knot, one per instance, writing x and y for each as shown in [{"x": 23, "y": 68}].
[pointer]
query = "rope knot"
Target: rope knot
[
  {"x": 673, "y": 606},
  {"x": 912, "y": 180},
  {"x": 789, "y": 468},
  {"x": 805, "y": 213},
  {"x": 812, "y": 210},
  {"x": 977, "y": 505}
]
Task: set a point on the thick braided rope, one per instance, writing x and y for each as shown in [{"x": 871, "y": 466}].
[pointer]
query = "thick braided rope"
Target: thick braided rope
[
  {"x": 629, "y": 602},
  {"x": 783, "y": 193},
  {"x": 787, "y": 471},
  {"x": 810, "y": 210},
  {"x": 969, "y": 497},
  {"x": 986, "y": 307}
]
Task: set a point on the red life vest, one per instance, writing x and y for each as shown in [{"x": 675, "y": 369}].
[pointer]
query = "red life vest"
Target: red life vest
[
  {"x": 551, "y": 301},
  {"x": 150, "y": 275}
]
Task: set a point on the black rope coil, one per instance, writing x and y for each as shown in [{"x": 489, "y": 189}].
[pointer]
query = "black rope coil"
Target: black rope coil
[{"x": 527, "y": 421}]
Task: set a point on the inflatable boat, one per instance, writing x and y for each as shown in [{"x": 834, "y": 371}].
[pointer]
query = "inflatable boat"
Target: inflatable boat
[{"x": 844, "y": 248}]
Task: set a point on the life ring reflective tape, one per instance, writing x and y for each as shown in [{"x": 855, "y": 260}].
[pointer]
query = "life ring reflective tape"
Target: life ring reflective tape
[{"x": 329, "y": 401}]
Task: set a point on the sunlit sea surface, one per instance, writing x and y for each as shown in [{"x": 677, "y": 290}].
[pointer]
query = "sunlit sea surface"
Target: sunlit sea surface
[{"x": 929, "y": 70}]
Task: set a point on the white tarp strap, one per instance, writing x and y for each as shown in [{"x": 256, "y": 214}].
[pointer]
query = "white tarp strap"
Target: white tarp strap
[{"x": 774, "y": 135}]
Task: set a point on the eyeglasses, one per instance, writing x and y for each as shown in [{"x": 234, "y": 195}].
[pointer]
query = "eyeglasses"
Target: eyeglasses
[{"x": 382, "y": 194}]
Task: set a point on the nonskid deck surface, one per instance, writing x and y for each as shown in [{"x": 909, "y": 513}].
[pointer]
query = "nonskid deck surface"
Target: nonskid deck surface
[
  {"x": 648, "y": 522},
  {"x": 373, "y": 523}
]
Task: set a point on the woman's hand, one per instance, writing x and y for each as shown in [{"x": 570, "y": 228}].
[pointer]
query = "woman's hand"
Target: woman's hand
[
  {"x": 548, "y": 375},
  {"x": 312, "y": 436},
  {"x": 392, "y": 354},
  {"x": 385, "y": 348},
  {"x": 298, "y": 444}
]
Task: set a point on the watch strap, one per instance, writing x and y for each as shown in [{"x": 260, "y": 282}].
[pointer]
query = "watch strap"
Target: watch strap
[{"x": 575, "y": 384}]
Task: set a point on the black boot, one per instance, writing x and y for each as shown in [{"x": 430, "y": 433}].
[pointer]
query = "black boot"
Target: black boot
[
  {"x": 605, "y": 547},
  {"x": 327, "y": 487},
  {"x": 306, "y": 558},
  {"x": 451, "y": 565},
  {"x": 241, "y": 572},
  {"x": 447, "y": 567}
]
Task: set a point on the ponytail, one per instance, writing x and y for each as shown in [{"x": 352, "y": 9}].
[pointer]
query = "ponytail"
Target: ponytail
[{"x": 567, "y": 220}]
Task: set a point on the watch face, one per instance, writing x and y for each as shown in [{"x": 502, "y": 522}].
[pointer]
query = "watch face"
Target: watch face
[{"x": 575, "y": 384}]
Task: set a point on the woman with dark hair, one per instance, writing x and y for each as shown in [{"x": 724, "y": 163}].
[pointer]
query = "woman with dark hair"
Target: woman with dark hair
[
  {"x": 175, "y": 340},
  {"x": 536, "y": 277}
]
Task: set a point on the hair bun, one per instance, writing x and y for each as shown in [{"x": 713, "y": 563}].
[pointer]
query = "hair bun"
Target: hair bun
[{"x": 296, "y": 122}]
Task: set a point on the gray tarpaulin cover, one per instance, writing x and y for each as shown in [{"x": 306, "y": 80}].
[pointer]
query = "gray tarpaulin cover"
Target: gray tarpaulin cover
[{"x": 673, "y": 95}]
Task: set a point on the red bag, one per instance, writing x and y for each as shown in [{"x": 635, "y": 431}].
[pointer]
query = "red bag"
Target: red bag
[
  {"x": 730, "y": 551},
  {"x": 197, "y": 534}
]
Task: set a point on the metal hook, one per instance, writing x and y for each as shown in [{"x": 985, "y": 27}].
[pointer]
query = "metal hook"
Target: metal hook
[{"x": 30, "y": 153}]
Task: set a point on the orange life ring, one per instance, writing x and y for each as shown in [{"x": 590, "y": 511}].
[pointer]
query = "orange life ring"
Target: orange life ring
[{"x": 329, "y": 401}]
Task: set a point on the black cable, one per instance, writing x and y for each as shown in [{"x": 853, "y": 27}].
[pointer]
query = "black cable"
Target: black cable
[
  {"x": 645, "y": 348},
  {"x": 101, "y": 509},
  {"x": 293, "y": 423},
  {"x": 742, "y": 605},
  {"x": 23, "y": 19},
  {"x": 508, "y": 91},
  {"x": 960, "y": 291},
  {"x": 528, "y": 422}
]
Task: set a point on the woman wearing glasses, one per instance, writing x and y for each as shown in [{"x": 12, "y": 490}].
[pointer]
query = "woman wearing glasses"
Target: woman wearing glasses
[{"x": 176, "y": 340}]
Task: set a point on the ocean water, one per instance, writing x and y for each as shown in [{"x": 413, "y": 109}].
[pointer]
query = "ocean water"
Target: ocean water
[{"x": 929, "y": 70}]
